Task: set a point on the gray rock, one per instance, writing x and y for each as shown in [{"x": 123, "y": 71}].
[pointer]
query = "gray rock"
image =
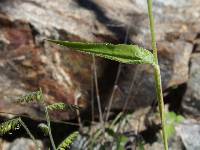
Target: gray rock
[
  {"x": 189, "y": 131},
  {"x": 191, "y": 100},
  {"x": 20, "y": 144},
  {"x": 27, "y": 63},
  {"x": 174, "y": 144}
]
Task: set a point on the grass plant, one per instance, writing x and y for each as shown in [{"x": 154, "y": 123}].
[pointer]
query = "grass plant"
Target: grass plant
[
  {"x": 16, "y": 123},
  {"x": 129, "y": 54},
  {"x": 123, "y": 53}
]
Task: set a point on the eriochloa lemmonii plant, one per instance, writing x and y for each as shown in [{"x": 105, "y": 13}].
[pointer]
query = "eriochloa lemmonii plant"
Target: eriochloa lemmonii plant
[{"x": 129, "y": 54}]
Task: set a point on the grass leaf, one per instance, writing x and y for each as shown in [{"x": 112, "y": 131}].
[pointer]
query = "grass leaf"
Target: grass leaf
[
  {"x": 68, "y": 141},
  {"x": 130, "y": 54},
  {"x": 9, "y": 125},
  {"x": 62, "y": 106}
]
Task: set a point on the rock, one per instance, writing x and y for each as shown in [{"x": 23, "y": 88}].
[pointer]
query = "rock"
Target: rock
[
  {"x": 56, "y": 18},
  {"x": 27, "y": 62},
  {"x": 26, "y": 66},
  {"x": 197, "y": 48},
  {"x": 154, "y": 146},
  {"x": 197, "y": 45},
  {"x": 20, "y": 144},
  {"x": 175, "y": 144},
  {"x": 191, "y": 99},
  {"x": 189, "y": 131},
  {"x": 186, "y": 137}
]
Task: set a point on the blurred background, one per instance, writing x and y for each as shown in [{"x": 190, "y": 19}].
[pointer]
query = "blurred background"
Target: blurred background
[{"x": 123, "y": 97}]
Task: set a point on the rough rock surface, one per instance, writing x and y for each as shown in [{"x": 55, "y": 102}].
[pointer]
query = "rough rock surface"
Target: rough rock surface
[
  {"x": 27, "y": 62},
  {"x": 191, "y": 100},
  {"x": 20, "y": 144},
  {"x": 189, "y": 131}
]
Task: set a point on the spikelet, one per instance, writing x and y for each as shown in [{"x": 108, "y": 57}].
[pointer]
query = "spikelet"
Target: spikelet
[
  {"x": 44, "y": 128},
  {"x": 62, "y": 106},
  {"x": 9, "y": 125},
  {"x": 33, "y": 96},
  {"x": 68, "y": 141}
]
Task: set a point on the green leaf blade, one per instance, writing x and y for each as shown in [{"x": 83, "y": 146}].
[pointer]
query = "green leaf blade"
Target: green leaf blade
[{"x": 129, "y": 54}]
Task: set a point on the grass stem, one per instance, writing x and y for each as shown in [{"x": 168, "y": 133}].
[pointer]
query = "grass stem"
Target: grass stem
[
  {"x": 48, "y": 122},
  {"x": 49, "y": 128},
  {"x": 113, "y": 92},
  {"x": 29, "y": 133},
  {"x": 97, "y": 92},
  {"x": 157, "y": 75}
]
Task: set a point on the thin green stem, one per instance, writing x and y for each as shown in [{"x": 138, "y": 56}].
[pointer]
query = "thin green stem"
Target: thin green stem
[
  {"x": 161, "y": 104},
  {"x": 29, "y": 133},
  {"x": 49, "y": 128},
  {"x": 157, "y": 75},
  {"x": 152, "y": 29},
  {"x": 48, "y": 122}
]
